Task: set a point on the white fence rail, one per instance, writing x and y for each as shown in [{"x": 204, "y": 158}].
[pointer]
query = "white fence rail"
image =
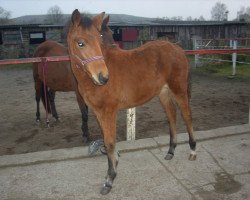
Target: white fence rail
[{"x": 234, "y": 43}]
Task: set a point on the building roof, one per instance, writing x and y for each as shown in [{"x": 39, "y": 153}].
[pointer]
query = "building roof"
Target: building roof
[{"x": 116, "y": 20}]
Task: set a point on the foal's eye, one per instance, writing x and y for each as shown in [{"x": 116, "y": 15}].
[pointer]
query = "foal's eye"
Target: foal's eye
[
  {"x": 80, "y": 44},
  {"x": 101, "y": 36}
]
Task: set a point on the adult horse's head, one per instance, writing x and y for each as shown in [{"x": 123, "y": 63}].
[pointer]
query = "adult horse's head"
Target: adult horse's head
[
  {"x": 107, "y": 34},
  {"x": 84, "y": 43}
]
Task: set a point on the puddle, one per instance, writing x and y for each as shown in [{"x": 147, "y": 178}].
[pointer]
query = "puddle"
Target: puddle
[{"x": 225, "y": 184}]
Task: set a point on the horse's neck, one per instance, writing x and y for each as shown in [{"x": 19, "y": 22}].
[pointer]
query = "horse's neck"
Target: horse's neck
[
  {"x": 110, "y": 52},
  {"x": 107, "y": 48},
  {"x": 116, "y": 50}
]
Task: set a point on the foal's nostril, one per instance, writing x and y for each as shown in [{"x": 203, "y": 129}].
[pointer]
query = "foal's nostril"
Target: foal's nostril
[{"x": 102, "y": 79}]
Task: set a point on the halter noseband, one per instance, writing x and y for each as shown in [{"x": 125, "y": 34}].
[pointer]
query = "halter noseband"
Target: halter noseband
[{"x": 88, "y": 60}]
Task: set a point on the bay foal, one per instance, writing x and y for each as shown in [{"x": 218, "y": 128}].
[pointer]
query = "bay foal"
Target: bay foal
[{"x": 127, "y": 79}]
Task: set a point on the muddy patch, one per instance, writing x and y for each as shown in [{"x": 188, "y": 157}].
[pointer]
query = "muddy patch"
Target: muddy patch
[
  {"x": 27, "y": 137},
  {"x": 223, "y": 186},
  {"x": 225, "y": 183},
  {"x": 215, "y": 102}
]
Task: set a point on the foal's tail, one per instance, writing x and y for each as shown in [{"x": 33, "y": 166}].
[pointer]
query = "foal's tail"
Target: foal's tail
[{"x": 45, "y": 98}]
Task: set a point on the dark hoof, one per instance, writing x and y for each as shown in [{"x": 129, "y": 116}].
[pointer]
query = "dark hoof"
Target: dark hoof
[
  {"x": 192, "y": 157},
  {"x": 105, "y": 190},
  {"x": 169, "y": 156}
]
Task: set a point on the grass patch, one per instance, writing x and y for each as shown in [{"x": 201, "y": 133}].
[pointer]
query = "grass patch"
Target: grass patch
[
  {"x": 225, "y": 70},
  {"x": 17, "y": 66}
]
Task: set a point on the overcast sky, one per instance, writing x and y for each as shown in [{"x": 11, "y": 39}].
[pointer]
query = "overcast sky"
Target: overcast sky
[{"x": 144, "y": 8}]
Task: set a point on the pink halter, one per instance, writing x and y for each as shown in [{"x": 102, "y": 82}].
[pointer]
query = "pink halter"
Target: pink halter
[{"x": 88, "y": 60}]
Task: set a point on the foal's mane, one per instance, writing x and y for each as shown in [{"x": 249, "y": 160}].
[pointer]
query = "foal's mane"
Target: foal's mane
[{"x": 86, "y": 21}]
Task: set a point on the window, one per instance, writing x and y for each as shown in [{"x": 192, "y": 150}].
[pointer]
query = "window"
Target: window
[
  {"x": 37, "y": 37},
  {"x": 11, "y": 37},
  {"x": 167, "y": 36},
  {"x": 117, "y": 34}
]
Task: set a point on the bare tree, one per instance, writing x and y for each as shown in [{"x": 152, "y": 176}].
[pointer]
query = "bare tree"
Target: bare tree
[
  {"x": 4, "y": 16},
  {"x": 189, "y": 18},
  {"x": 54, "y": 15},
  {"x": 176, "y": 18},
  {"x": 219, "y": 12},
  {"x": 243, "y": 14},
  {"x": 201, "y": 18}
]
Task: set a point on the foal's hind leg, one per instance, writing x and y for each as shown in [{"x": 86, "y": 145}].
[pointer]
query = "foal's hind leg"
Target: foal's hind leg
[
  {"x": 170, "y": 109},
  {"x": 183, "y": 102},
  {"x": 52, "y": 95}
]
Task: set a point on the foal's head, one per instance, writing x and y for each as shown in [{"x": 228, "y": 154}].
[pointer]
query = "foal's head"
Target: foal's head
[{"x": 84, "y": 43}]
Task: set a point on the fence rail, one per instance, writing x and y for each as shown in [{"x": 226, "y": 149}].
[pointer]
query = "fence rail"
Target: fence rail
[
  {"x": 34, "y": 60},
  {"x": 67, "y": 58},
  {"x": 216, "y": 51}
]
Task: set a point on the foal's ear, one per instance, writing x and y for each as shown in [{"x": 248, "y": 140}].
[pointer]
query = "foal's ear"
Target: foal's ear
[
  {"x": 97, "y": 21},
  {"x": 106, "y": 21},
  {"x": 76, "y": 18}
]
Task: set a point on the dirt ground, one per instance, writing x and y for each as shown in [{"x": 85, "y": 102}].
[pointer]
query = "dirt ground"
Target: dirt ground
[{"x": 215, "y": 102}]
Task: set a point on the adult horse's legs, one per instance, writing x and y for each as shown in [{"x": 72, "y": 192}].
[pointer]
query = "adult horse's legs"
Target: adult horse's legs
[
  {"x": 52, "y": 95},
  {"x": 38, "y": 97},
  {"x": 170, "y": 109},
  {"x": 183, "y": 102},
  {"x": 107, "y": 122},
  {"x": 84, "y": 111}
]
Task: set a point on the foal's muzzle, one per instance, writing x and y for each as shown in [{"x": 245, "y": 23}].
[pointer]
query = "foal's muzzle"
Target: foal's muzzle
[
  {"x": 103, "y": 79},
  {"x": 100, "y": 78}
]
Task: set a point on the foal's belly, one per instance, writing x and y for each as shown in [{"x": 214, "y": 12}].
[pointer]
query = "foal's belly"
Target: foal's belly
[{"x": 139, "y": 95}]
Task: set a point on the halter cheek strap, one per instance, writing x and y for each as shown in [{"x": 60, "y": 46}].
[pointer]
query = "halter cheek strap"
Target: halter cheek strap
[{"x": 88, "y": 60}]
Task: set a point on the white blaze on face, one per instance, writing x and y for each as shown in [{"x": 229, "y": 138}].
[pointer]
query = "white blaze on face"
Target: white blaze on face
[{"x": 96, "y": 79}]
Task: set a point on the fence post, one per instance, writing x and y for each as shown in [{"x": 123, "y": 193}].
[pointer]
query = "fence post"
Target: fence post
[
  {"x": 196, "y": 56},
  {"x": 131, "y": 124},
  {"x": 234, "y": 57}
]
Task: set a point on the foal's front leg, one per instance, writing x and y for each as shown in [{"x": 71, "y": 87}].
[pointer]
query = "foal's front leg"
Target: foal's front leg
[{"x": 107, "y": 122}]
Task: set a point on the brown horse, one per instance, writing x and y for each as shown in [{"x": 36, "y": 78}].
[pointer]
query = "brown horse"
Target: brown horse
[
  {"x": 58, "y": 78},
  {"x": 127, "y": 79}
]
